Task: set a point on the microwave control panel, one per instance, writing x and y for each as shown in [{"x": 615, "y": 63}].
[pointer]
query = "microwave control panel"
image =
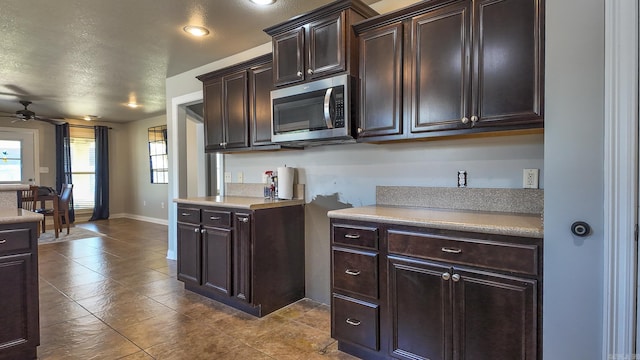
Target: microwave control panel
[{"x": 339, "y": 111}]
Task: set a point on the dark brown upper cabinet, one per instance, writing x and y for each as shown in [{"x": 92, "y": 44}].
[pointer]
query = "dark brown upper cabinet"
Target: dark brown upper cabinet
[
  {"x": 318, "y": 43},
  {"x": 464, "y": 67},
  {"x": 237, "y": 107}
]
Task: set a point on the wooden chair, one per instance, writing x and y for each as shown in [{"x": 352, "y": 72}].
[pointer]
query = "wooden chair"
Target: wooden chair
[
  {"x": 29, "y": 198},
  {"x": 63, "y": 205}
]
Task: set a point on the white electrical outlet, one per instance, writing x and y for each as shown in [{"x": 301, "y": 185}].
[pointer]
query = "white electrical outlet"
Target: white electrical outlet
[
  {"x": 240, "y": 177},
  {"x": 162, "y": 204},
  {"x": 530, "y": 178},
  {"x": 227, "y": 176},
  {"x": 462, "y": 178}
]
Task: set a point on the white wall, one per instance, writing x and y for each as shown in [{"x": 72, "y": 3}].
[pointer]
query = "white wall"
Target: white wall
[{"x": 574, "y": 127}]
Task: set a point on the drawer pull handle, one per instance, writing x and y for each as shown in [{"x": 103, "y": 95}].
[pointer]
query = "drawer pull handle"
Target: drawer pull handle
[
  {"x": 244, "y": 220},
  {"x": 185, "y": 214},
  {"x": 215, "y": 218},
  {"x": 352, "y": 272},
  {"x": 451, "y": 250},
  {"x": 3, "y": 241},
  {"x": 352, "y": 236},
  {"x": 353, "y": 322}
]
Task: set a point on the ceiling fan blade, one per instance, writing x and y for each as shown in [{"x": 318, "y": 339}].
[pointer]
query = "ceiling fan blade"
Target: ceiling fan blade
[{"x": 51, "y": 121}]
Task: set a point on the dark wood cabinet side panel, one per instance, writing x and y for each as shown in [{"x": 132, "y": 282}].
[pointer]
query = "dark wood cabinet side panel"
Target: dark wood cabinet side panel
[
  {"x": 236, "y": 110},
  {"x": 420, "y": 303},
  {"x": 441, "y": 56},
  {"x": 278, "y": 256},
  {"x": 261, "y": 84},
  {"x": 508, "y": 62},
  {"x": 381, "y": 82},
  {"x": 213, "y": 119},
  {"x": 242, "y": 257},
  {"x": 495, "y": 316}
]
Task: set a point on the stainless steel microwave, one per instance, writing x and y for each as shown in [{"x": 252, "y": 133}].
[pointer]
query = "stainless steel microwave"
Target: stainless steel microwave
[{"x": 314, "y": 112}]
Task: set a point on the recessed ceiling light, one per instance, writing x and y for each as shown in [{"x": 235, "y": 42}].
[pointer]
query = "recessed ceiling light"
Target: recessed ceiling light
[
  {"x": 133, "y": 105},
  {"x": 91, "y": 117},
  {"x": 196, "y": 30},
  {"x": 263, "y": 2}
]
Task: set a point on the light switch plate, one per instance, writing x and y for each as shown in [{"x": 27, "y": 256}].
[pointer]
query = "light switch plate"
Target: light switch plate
[
  {"x": 227, "y": 176},
  {"x": 240, "y": 177}
]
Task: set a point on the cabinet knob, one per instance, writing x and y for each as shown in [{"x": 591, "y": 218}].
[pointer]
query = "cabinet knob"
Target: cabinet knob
[
  {"x": 309, "y": 71},
  {"x": 359, "y": 130},
  {"x": 299, "y": 74},
  {"x": 203, "y": 231},
  {"x": 455, "y": 277},
  {"x": 465, "y": 120},
  {"x": 474, "y": 120},
  {"x": 446, "y": 276},
  {"x": 196, "y": 230},
  {"x": 244, "y": 219},
  {"x": 353, "y": 322},
  {"x": 3, "y": 241}
]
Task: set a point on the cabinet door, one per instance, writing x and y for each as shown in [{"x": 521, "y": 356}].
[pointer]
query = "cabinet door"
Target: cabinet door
[
  {"x": 381, "y": 82},
  {"x": 326, "y": 46},
  {"x": 288, "y": 57},
  {"x": 420, "y": 304},
  {"x": 19, "y": 310},
  {"x": 214, "y": 123},
  {"x": 494, "y": 316},
  {"x": 508, "y": 62},
  {"x": 242, "y": 250},
  {"x": 440, "y": 65},
  {"x": 260, "y": 85},
  {"x": 216, "y": 271},
  {"x": 236, "y": 110},
  {"x": 189, "y": 251}
]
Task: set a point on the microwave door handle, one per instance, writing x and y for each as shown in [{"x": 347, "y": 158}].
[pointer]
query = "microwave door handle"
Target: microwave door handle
[{"x": 327, "y": 112}]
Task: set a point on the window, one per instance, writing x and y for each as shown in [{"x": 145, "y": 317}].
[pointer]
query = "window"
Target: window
[
  {"x": 10, "y": 161},
  {"x": 83, "y": 167},
  {"x": 158, "y": 159}
]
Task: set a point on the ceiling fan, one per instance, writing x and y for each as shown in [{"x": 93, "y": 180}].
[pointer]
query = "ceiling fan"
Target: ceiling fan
[{"x": 26, "y": 115}]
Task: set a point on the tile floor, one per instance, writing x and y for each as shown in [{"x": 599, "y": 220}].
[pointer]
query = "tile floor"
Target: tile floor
[{"x": 117, "y": 297}]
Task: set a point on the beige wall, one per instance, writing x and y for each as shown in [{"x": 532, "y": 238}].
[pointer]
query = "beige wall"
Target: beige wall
[{"x": 145, "y": 200}]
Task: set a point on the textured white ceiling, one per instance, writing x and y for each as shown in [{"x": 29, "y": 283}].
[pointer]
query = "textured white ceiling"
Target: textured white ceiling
[{"x": 78, "y": 57}]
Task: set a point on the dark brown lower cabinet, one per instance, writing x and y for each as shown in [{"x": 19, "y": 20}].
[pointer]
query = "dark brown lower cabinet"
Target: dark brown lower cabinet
[
  {"x": 420, "y": 293},
  {"x": 443, "y": 312},
  {"x": 19, "y": 313},
  {"x": 252, "y": 260}
]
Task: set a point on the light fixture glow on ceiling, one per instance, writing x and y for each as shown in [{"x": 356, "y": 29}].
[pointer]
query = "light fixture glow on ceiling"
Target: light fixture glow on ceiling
[
  {"x": 133, "y": 105},
  {"x": 263, "y": 2},
  {"x": 90, "y": 117},
  {"x": 196, "y": 30}
]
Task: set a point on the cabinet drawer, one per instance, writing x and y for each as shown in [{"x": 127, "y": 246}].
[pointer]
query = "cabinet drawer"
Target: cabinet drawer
[
  {"x": 352, "y": 235},
  {"x": 189, "y": 215},
  {"x": 216, "y": 218},
  {"x": 355, "y": 322},
  {"x": 14, "y": 241},
  {"x": 519, "y": 258},
  {"x": 355, "y": 271}
]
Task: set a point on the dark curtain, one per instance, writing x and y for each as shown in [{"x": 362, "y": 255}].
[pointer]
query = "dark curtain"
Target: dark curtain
[
  {"x": 101, "y": 209},
  {"x": 63, "y": 162}
]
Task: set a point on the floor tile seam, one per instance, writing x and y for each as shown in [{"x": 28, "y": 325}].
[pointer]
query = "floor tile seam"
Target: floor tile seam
[{"x": 124, "y": 337}]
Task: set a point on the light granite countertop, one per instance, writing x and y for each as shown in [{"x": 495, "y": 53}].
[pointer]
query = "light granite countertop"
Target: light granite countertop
[
  {"x": 12, "y": 216},
  {"x": 239, "y": 202},
  {"x": 501, "y": 223},
  {"x": 13, "y": 187}
]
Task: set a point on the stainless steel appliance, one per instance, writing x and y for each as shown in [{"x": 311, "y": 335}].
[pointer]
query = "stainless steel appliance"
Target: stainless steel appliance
[{"x": 313, "y": 113}]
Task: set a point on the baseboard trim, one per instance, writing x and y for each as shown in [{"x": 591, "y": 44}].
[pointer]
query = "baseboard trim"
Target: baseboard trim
[{"x": 140, "y": 217}]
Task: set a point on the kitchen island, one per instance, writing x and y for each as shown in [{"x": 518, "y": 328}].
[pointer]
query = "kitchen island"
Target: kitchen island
[
  {"x": 246, "y": 252},
  {"x": 19, "y": 313}
]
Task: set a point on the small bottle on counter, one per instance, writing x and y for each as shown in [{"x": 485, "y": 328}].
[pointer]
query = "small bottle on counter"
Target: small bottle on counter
[{"x": 266, "y": 179}]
